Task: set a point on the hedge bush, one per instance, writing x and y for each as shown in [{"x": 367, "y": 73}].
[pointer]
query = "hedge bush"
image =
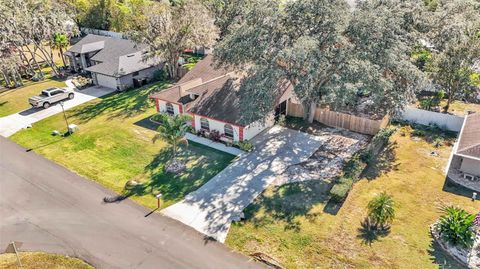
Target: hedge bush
[{"x": 339, "y": 191}]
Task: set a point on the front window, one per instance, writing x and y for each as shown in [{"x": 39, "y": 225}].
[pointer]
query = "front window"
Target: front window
[
  {"x": 170, "y": 109},
  {"x": 228, "y": 130},
  {"x": 204, "y": 125}
]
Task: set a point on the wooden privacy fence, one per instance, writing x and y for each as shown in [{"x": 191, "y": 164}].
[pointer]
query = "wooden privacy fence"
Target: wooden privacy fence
[{"x": 341, "y": 120}]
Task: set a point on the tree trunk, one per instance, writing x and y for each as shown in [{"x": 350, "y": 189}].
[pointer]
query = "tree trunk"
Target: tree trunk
[
  {"x": 30, "y": 70},
  {"x": 63, "y": 57},
  {"x": 305, "y": 107},
  {"x": 447, "y": 106},
  {"x": 32, "y": 54},
  {"x": 47, "y": 59},
  {"x": 6, "y": 78},
  {"x": 311, "y": 113}
]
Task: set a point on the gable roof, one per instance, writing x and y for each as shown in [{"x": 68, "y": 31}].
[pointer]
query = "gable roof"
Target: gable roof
[
  {"x": 215, "y": 90},
  {"x": 204, "y": 70},
  {"x": 123, "y": 65},
  {"x": 117, "y": 56},
  {"x": 469, "y": 142}
]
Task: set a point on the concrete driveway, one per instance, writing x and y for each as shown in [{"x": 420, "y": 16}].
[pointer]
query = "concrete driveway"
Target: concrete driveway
[
  {"x": 211, "y": 208},
  {"x": 51, "y": 209},
  {"x": 15, "y": 122}
]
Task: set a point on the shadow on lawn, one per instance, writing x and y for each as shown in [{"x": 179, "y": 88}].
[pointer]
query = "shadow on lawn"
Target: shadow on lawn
[
  {"x": 385, "y": 162},
  {"x": 125, "y": 104},
  {"x": 370, "y": 233},
  {"x": 288, "y": 202},
  {"x": 452, "y": 187},
  {"x": 202, "y": 164},
  {"x": 438, "y": 256}
]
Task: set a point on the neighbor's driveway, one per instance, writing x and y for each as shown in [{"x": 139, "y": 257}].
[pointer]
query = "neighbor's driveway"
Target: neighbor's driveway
[
  {"x": 211, "y": 208},
  {"x": 51, "y": 209},
  {"x": 15, "y": 122}
]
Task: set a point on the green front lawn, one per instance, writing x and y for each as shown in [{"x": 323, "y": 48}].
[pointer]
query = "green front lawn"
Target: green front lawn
[
  {"x": 40, "y": 260},
  {"x": 113, "y": 146},
  {"x": 297, "y": 226},
  {"x": 16, "y": 100}
]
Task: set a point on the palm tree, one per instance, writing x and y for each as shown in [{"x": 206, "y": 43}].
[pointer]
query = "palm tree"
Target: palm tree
[
  {"x": 381, "y": 209},
  {"x": 172, "y": 130},
  {"x": 60, "y": 42}
]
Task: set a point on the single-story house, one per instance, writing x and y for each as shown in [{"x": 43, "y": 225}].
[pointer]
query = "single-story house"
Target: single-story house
[
  {"x": 210, "y": 96},
  {"x": 464, "y": 167},
  {"x": 112, "y": 62}
]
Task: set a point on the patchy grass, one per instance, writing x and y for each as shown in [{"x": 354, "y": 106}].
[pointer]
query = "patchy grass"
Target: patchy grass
[
  {"x": 461, "y": 108},
  {"x": 40, "y": 260},
  {"x": 298, "y": 227},
  {"x": 114, "y": 145},
  {"x": 16, "y": 100},
  {"x": 191, "y": 60}
]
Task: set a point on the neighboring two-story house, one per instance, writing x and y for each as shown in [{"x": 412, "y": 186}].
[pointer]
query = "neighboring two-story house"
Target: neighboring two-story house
[{"x": 112, "y": 62}]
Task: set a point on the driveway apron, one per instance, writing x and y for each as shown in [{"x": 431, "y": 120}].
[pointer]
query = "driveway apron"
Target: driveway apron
[
  {"x": 15, "y": 122},
  {"x": 211, "y": 208}
]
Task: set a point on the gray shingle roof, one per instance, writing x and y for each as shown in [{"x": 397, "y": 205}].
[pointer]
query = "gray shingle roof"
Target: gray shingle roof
[
  {"x": 118, "y": 57},
  {"x": 469, "y": 142}
]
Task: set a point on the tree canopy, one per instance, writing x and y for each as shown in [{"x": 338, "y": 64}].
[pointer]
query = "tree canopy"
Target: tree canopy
[
  {"x": 169, "y": 29},
  {"x": 327, "y": 50}
]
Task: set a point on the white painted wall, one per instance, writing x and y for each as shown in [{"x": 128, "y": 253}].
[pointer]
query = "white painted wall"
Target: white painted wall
[
  {"x": 470, "y": 166},
  {"x": 126, "y": 82},
  {"x": 424, "y": 117},
  {"x": 255, "y": 128},
  {"x": 106, "y": 81},
  {"x": 101, "y": 32},
  {"x": 219, "y": 126},
  {"x": 162, "y": 107}
]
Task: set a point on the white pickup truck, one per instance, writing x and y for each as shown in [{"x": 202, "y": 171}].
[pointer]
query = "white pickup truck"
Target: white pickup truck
[{"x": 50, "y": 96}]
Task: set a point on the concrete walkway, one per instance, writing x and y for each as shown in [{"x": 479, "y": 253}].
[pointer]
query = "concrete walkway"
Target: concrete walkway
[
  {"x": 49, "y": 208},
  {"x": 211, "y": 208},
  {"x": 15, "y": 122}
]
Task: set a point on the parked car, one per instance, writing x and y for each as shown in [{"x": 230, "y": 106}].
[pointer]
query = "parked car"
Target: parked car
[{"x": 50, "y": 96}]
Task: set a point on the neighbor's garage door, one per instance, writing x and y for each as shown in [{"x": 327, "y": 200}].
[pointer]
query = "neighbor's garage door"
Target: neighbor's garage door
[{"x": 106, "y": 81}]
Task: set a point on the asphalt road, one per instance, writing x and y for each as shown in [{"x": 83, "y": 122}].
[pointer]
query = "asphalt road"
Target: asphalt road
[{"x": 51, "y": 209}]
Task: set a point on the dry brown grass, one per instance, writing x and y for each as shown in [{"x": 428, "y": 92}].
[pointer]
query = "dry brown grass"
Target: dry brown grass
[
  {"x": 325, "y": 240},
  {"x": 40, "y": 260}
]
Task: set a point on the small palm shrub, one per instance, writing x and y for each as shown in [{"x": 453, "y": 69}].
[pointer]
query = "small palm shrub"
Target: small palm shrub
[
  {"x": 456, "y": 226},
  {"x": 381, "y": 209},
  {"x": 245, "y": 146}
]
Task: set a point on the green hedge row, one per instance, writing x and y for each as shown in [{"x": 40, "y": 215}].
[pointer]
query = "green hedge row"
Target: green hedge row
[{"x": 359, "y": 161}]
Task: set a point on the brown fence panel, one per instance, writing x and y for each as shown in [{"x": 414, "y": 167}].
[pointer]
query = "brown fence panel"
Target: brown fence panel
[{"x": 341, "y": 120}]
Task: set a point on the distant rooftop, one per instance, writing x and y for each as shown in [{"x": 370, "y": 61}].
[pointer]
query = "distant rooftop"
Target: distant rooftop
[{"x": 469, "y": 142}]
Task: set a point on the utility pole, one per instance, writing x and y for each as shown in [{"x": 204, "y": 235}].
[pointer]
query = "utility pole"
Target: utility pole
[{"x": 65, "y": 117}]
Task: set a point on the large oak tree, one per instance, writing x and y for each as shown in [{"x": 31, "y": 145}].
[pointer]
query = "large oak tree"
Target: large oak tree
[
  {"x": 168, "y": 29},
  {"x": 328, "y": 50}
]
